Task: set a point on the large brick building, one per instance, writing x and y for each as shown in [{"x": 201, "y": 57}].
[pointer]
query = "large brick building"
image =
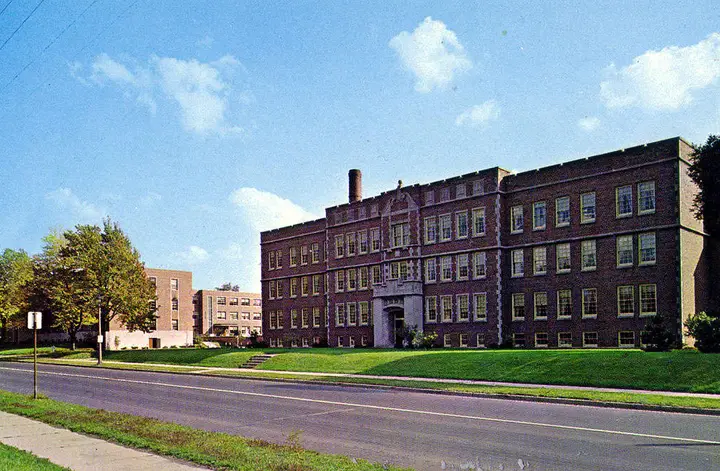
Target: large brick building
[{"x": 578, "y": 254}]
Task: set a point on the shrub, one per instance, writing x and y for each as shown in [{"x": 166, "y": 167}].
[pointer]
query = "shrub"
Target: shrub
[
  {"x": 705, "y": 328},
  {"x": 660, "y": 334},
  {"x": 423, "y": 340}
]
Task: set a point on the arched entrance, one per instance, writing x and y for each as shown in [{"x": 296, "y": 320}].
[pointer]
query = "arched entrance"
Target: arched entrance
[{"x": 397, "y": 317}]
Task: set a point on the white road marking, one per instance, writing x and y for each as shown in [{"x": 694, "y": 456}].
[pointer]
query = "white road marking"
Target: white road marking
[{"x": 385, "y": 408}]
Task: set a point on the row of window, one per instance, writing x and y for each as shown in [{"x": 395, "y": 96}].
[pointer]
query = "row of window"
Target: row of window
[
  {"x": 174, "y": 282},
  {"x": 461, "y": 191},
  {"x": 246, "y": 316},
  {"x": 625, "y": 338},
  {"x": 357, "y": 243},
  {"x": 302, "y": 342},
  {"x": 222, "y": 301},
  {"x": 352, "y": 314},
  {"x": 647, "y": 300},
  {"x": 276, "y": 288},
  {"x": 275, "y": 257},
  {"x": 304, "y": 317}
]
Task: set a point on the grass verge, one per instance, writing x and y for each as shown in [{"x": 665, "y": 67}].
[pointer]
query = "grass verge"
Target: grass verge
[
  {"x": 217, "y": 450},
  {"x": 18, "y": 460}
]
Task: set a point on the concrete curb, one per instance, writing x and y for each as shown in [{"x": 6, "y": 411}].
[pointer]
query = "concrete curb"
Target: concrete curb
[{"x": 513, "y": 397}]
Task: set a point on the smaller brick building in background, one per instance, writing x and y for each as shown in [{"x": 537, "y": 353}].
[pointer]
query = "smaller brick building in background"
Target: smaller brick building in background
[{"x": 228, "y": 313}]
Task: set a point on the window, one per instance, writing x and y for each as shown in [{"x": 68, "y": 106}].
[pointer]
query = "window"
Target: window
[
  {"x": 646, "y": 249},
  {"x": 376, "y": 275},
  {"x": 518, "y": 306},
  {"x": 447, "y": 340},
  {"x": 304, "y": 286},
  {"x": 175, "y": 304},
  {"x": 562, "y": 255},
  {"x": 430, "y": 309},
  {"x": 463, "y": 266},
  {"x": 373, "y": 210},
  {"x": 445, "y": 227},
  {"x": 272, "y": 290},
  {"x": 646, "y": 198},
  {"x": 273, "y": 319},
  {"x": 278, "y": 257},
  {"x": 518, "y": 263},
  {"x": 279, "y": 289},
  {"x": 564, "y": 302},
  {"x": 246, "y": 316},
  {"x": 305, "y": 342},
  {"x": 429, "y": 197},
  {"x": 364, "y": 313},
  {"x": 590, "y": 339},
  {"x": 174, "y": 283},
  {"x": 478, "y": 187},
  {"x": 539, "y": 260},
  {"x": 271, "y": 260},
  {"x": 562, "y": 211},
  {"x": 623, "y": 201},
  {"x": 539, "y": 216},
  {"x": 352, "y": 313},
  {"x": 256, "y": 316},
  {"x": 430, "y": 230},
  {"x": 280, "y": 319},
  {"x": 293, "y": 318},
  {"x": 463, "y": 340},
  {"x": 518, "y": 340},
  {"x": 256, "y": 302},
  {"x": 430, "y": 271},
  {"x": 362, "y": 242},
  {"x": 589, "y": 303},
  {"x": 624, "y": 246},
  {"x": 316, "y": 285},
  {"x": 541, "y": 339},
  {"x": 316, "y": 316},
  {"x": 233, "y": 301},
  {"x": 480, "y": 306},
  {"x": 153, "y": 281},
  {"x": 175, "y": 324},
  {"x": 626, "y": 339},
  {"x": 461, "y": 224},
  {"x": 626, "y": 301},
  {"x": 479, "y": 265},
  {"x": 445, "y": 194},
  {"x": 293, "y": 287},
  {"x": 541, "y": 306},
  {"x": 350, "y": 244},
  {"x": 340, "y": 341},
  {"x": 400, "y": 234},
  {"x": 293, "y": 256},
  {"x": 339, "y": 281},
  {"x": 351, "y": 279},
  {"x": 516, "y": 219},
  {"x": 565, "y": 339},
  {"x": 447, "y": 308},
  {"x": 446, "y": 268},
  {"x": 588, "y": 255},
  {"x": 339, "y": 246},
  {"x": 222, "y": 315},
  {"x": 461, "y": 190},
  {"x": 363, "y": 278},
  {"x": 587, "y": 208},
  {"x": 221, "y": 300},
  {"x": 315, "y": 252},
  {"x": 339, "y": 314},
  {"x": 304, "y": 255},
  {"x": 480, "y": 340},
  {"x": 478, "y": 215},
  {"x": 648, "y": 300},
  {"x": 463, "y": 306},
  {"x": 375, "y": 240}
]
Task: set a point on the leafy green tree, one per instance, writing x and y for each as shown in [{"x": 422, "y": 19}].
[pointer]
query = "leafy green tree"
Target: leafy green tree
[
  {"x": 228, "y": 287},
  {"x": 661, "y": 334},
  {"x": 113, "y": 274},
  {"x": 15, "y": 274},
  {"x": 705, "y": 172},
  {"x": 705, "y": 328}
]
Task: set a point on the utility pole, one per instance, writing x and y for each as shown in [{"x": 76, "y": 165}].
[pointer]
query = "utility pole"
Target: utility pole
[
  {"x": 100, "y": 335},
  {"x": 35, "y": 323}
]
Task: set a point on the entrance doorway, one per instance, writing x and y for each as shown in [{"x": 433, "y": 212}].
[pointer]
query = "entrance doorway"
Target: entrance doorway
[{"x": 399, "y": 328}]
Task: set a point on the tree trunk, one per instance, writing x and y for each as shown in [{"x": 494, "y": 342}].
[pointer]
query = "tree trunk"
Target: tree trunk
[
  {"x": 3, "y": 331},
  {"x": 73, "y": 339}
]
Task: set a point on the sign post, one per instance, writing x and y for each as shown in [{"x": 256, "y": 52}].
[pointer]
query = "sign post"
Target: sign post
[{"x": 35, "y": 323}]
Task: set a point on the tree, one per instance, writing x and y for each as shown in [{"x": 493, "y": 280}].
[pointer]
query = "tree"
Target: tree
[
  {"x": 705, "y": 328},
  {"x": 228, "y": 287},
  {"x": 15, "y": 274},
  {"x": 113, "y": 274},
  {"x": 705, "y": 172},
  {"x": 660, "y": 335}
]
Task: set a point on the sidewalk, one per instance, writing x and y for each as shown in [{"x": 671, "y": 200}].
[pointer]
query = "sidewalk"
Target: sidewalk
[
  {"x": 79, "y": 452},
  {"x": 254, "y": 372}
]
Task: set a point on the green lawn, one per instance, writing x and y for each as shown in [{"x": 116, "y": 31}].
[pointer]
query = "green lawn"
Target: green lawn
[
  {"x": 12, "y": 459},
  {"x": 217, "y": 450}
]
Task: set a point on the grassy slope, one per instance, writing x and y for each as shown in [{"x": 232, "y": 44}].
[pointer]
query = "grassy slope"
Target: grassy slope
[
  {"x": 18, "y": 460},
  {"x": 213, "y": 449}
]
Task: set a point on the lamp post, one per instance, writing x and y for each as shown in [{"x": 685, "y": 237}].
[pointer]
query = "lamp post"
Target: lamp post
[{"x": 100, "y": 335}]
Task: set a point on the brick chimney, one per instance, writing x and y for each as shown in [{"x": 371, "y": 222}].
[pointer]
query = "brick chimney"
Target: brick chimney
[{"x": 355, "y": 185}]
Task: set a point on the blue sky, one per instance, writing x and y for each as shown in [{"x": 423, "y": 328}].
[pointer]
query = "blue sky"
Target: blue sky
[{"x": 197, "y": 124}]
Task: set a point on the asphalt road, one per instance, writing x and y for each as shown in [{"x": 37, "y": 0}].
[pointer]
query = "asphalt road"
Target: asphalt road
[{"x": 404, "y": 428}]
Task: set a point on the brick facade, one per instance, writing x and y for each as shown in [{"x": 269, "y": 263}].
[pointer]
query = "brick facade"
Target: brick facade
[{"x": 576, "y": 254}]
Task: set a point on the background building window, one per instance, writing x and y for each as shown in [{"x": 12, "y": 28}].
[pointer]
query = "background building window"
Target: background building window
[{"x": 562, "y": 211}]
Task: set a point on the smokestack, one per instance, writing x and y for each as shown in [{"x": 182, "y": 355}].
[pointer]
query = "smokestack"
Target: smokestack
[{"x": 355, "y": 187}]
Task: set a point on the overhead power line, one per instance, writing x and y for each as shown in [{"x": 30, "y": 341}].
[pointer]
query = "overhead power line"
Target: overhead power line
[
  {"x": 21, "y": 24},
  {"x": 48, "y": 46},
  {"x": 5, "y": 7}
]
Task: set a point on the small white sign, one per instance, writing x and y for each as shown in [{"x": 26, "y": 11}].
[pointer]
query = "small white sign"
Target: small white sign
[
  {"x": 100, "y": 339},
  {"x": 34, "y": 320}
]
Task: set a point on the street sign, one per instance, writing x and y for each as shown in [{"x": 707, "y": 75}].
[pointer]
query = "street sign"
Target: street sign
[
  {"x": 100, "y": 339},
  {"x": 34, "y": 320}
]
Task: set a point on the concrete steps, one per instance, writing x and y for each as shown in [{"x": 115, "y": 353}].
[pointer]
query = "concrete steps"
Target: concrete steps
[{"x": 256, "y": 360}]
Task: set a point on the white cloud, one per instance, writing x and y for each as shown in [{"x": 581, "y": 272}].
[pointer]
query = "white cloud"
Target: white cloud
[
  {"x": 666, "y": 79},
  {"x": 193, "y": 254},
  {"x": 201, "y": 90},
  {"x": 479, "y": 115},
  {"x": 81, "y": 211},
  {"x": 433, "y": 53},
  {"x": 264, "y": 210},
  {"x": 589, "y": 123}
]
